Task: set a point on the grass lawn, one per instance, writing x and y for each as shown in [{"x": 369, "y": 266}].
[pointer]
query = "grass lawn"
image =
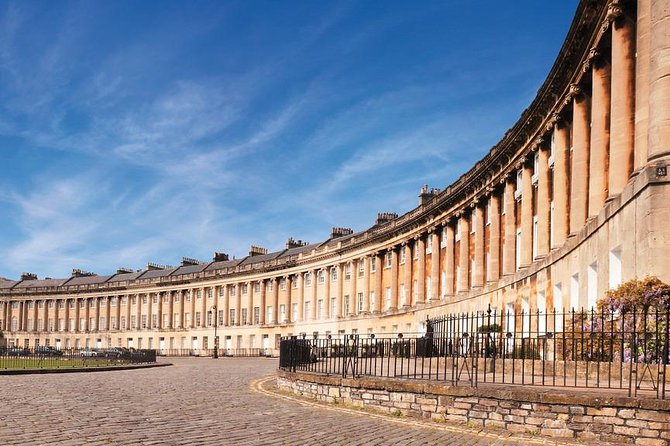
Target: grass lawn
[{"x": 58, "y": 362}]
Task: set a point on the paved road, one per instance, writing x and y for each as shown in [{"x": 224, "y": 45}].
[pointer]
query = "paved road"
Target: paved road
[{"x": 198, "y": 401}]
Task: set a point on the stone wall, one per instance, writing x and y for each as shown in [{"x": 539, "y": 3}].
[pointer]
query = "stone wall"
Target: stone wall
[{"x": 565, "y": 413}]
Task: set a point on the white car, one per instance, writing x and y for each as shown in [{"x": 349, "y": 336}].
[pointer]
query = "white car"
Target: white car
[{"x": 87, "y": 352}]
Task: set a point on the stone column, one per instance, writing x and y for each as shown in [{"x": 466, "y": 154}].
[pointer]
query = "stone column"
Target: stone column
[
  {"x": 526, "y": 216},
  {"x": 622, "y": 125},
  {"x": 205, "y": 309},
  {"x": 160, "y": 308},
  {"x": 509, "y": 246},
  {"x": 353, "y": 308},
  {"x": 449, "y": 261},
  {"x": 225, "y": 305},
  {"x": 97, "y": 315},
  {"x": 289, "y": 299},
  {"x": 262, "y": 305},
  {"x": 77, "y": 313},
  {"x": 478, "y": 273},
  {"x": 326, "y": 286},
  {"x": 340, "y": 290},
  {"x": 366, "y": 285},
  {"x": 118, "y": 312},
  {"x": 275, "y": 300},
  {"x": 315, "y": 281},
  {"x": 420, "y": 245},
  {"x": 659, "y": 81},
  {"x": 407, "y": 273},
  {"x": 561, "y": 183},
  {"x": 642, "y": 65},
  {"x": 171, "y": 307},
  {"x": 394, "y": 278},
  {"x": 464, "y": 255},
  {"x": 238, "y": 304},
  {"x": 543, "y": 204},
  {"x": 87, "y": 312},
  {"x": 379, "y": 293},
  {"x": 435, "y": 265},
  {"x": 108, "y": 315},
  {"x": 493, "y": 272},
  {"x": 579, "y": 186},
  {"x": 300, "y": 277},
  {"x": 128, "y": 307},
  {"x": 600, "y": 135}
]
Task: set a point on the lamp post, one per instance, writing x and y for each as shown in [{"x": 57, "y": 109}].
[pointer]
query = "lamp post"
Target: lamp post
[{"x": 216, "y": 337}]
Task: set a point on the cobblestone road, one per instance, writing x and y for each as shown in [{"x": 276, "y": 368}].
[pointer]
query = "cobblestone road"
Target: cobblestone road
[{"x": 198, "y": 401}]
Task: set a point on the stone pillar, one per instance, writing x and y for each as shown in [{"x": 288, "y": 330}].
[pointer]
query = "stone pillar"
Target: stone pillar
[
  {"x": 478, "y": 273},
  {"x": 600, "y": 135},
  {"x": 238, "y": 305},
  {"x": 493, "y": 272},
  {"x": 379, "y": 294},
  {"x": 366, "y": 285},
  {"x": 160, "y": 308},
  {"x": 314, "y": 297},
  {"x": 275, "y": 301},
  {"x": 205, "y": 304},
  {"x": 87, "y": 311},
  {"x": 543, "y": 204},
  {"x": 353, "y": 309},
  {"x": 464, "y": 255},
  {"x": 509, "y": 246},
  {"x": 659, "y": 81},
  {"x": 407, "y": 269},
  {"x": 326, "y": 286},
  {"x": 118, "y": 312},
  {"x": 225, "y": 305},
  {"x": 262, "y": 304},
  {"x": 449, "y": 261},
  {"x": 108, "y": 315},
  {"x": 171, "y": 324},
  {"x": 526, "y": 215},
  {"x": 77, "y": 313},
  {"x": 289, "y": 299},
  {"x": 642, "y": 65},
  {"x": 579, "y": 170},
  {"x": 622, "y": 125},
  {"x": 300, "y": 277},
  {"x": 435, "y": 265},
  {"x": 340, "y": 290},
  {"x": 128, "y": 307},
  {"x": 561, "y": 183},
  {"x": 36, "y": 314},
  {"x": 420, "y": 245},
  {"x": 394, "y": 278},
  {"x": 97, "y": 315}
]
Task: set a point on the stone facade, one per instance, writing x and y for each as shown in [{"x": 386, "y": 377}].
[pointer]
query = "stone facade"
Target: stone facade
[
  {"x": 572, "y": 201},
  {"x": 562, "y": 414}
]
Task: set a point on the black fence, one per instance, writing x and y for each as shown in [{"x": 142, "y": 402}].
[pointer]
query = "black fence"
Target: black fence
[
  {"x": 582, "y": 349},
  {"x": 44, "y": 357},
  {"x": 222, "y": 352}
]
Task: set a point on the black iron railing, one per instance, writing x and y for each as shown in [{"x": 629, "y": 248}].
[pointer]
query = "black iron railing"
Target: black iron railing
[
  {"x": 222, "y": 352},
  {"x": 581, "y": 349},
  {"x": 52, "y": 358}
]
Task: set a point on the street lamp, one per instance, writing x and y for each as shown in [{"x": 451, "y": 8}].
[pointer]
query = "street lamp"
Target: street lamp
[{"x": 216, "y": 337}]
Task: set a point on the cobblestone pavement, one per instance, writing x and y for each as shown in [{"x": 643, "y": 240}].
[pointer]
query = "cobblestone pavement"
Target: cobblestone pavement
[{"x": 200, "y": 401}]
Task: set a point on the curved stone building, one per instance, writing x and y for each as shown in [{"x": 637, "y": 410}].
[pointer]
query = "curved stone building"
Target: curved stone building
[{"x": 573, "y": 200}]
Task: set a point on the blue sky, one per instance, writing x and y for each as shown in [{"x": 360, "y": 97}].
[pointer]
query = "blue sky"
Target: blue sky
[{"x": 146, "y": 131}]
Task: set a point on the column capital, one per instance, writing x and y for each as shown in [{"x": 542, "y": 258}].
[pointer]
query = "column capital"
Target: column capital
[{"x": 614, "y": 11}]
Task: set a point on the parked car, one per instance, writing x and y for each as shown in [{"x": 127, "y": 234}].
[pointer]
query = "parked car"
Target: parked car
[
  {"x": 44, "y": 350},
  {"x": 18, "y": 351},
  {"x": 115, "y": 352},
  {"x": 90, "y": 353}
]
